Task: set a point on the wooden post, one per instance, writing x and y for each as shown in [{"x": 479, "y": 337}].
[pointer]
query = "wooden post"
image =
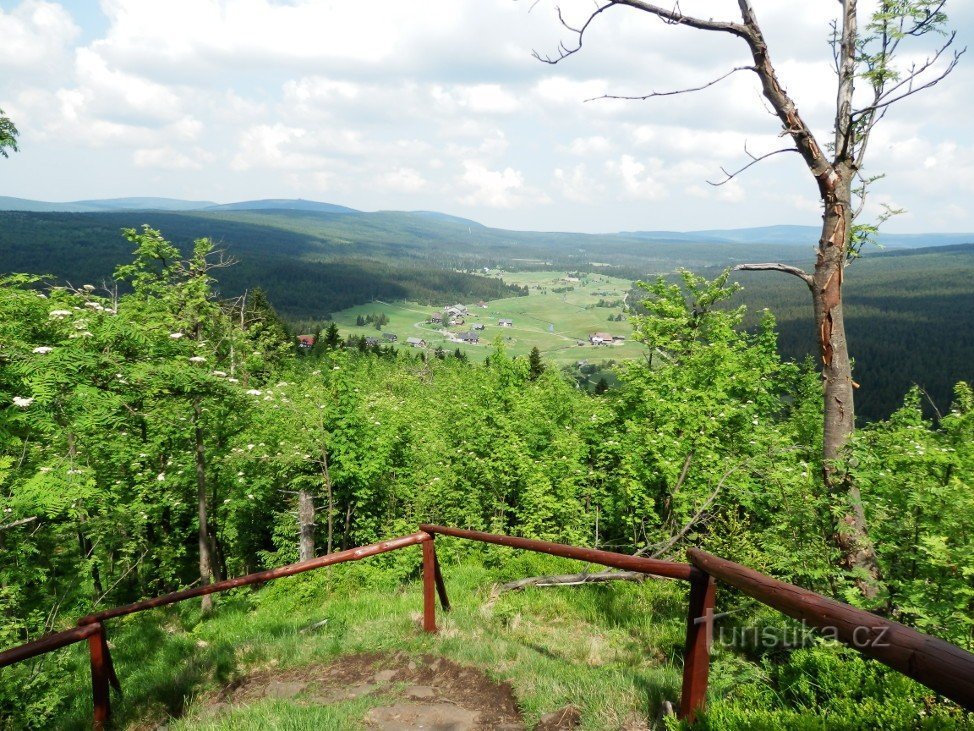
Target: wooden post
[
  {"x": 98, "y": 652},
  {"x": 696, "y": 655},
  {"x": 440, "y": 584},
  {"x": 429, "y": 586}
]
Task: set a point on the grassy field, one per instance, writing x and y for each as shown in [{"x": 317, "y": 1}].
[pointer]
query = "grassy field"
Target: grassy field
[{"x": 554, "y": 322}]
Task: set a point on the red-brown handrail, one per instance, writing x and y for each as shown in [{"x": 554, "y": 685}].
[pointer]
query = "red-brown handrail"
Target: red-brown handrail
[
  {"x": 669, "y": 569},
  {"x": 700, "y": 603},
  {"x": 261, "y": 577},
  {"x": 92, "y": 628},
  {"x": 939, "y": 665},
  {"x": 47, "y": 643}
]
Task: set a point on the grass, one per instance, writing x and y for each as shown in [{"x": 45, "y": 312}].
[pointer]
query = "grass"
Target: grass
[
  {"x": 612, "y": 651},
  {"x": 554, "y": 322}
]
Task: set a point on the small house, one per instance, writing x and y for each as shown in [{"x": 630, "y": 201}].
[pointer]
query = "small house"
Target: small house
[
  {"x": 371, "y": 341},
  {"x": 416, "y": 342},
  {"x": 600, "y": 338},
  {"x": 478, "y": 326},
  {"x": 306, "y": 341},
  {"x": 506, "y": 323},
  {"x": 482, "y": 305},
  {"x": 391, "y": 337},
  {"x": 468, "y": 337},
  {"x": 436, "y": 317}
]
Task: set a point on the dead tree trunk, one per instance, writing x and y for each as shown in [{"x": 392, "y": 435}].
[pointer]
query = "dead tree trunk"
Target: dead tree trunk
[
  {"x": 851, "y": 536},
  {"x": 205, "y": 546},
  {"x": 306, "y": 525}
]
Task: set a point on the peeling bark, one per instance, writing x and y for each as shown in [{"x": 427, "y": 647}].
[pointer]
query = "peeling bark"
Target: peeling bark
[{"x": 306, "y": 525}]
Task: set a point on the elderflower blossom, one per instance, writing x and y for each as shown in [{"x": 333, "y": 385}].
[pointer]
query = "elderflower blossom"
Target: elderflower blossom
[
  {"x": 197, "y": 359},
  {"x": 161, "y": 477},
  {"x": 43, "y": 350},
  {"x": 253, "y": 392},
  {"x": 175, "y": 336},
  {"x": 59, "y": 313},
  {"x": 22, "y": 402},
  {"x": 220, "y": 374}
]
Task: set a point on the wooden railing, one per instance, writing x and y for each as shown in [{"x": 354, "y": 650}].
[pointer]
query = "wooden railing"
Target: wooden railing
[
  {"x": 92, "y": 627},
  {"x": 945, "y": 668},
  {"x": 941, "y": 666}
]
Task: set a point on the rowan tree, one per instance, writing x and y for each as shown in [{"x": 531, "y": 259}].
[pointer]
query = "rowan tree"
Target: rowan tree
[
  {"x": 8, "y": 135},
  {"x": 871, "y": 53}
]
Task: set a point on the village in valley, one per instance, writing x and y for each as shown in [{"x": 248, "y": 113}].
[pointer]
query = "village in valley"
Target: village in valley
[{"x": 569, "y": 317}]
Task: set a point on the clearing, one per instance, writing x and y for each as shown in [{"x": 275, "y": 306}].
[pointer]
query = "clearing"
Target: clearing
[{"x": 555, "y": 317}]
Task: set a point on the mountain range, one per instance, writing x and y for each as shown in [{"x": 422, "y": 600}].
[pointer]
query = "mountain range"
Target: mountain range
[{"x": 778, "y": 235}]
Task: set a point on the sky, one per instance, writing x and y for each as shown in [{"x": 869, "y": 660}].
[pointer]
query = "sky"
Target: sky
[{"x": 439, "y": 105}]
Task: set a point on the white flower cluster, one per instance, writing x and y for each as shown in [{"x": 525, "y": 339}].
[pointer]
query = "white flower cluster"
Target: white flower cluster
[{"x": 21, "y": 402}]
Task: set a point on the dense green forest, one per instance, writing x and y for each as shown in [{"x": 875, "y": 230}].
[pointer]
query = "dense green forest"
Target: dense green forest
[
  {"x": 909, "y": 319},
  {"x": 307, "y": 278},
  {"x": 163, "y": 437}
]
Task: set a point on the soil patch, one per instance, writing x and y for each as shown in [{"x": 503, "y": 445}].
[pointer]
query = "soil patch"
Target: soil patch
[{"x": 418, "y": 692}]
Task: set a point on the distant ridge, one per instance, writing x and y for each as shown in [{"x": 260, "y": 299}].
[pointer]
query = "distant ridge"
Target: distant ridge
[
  {"x": 95, "y": 206},
  {"x": 283, "y": 204},
  {"x": 446, "y": 217},
  {"x": 791, "y": 235},
  {"x": 145, "y": 204},
  {"x": 434, "y": 223}
]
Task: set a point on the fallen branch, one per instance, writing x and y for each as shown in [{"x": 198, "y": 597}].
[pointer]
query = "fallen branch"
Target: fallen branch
[{"x": 568, "y": 580}]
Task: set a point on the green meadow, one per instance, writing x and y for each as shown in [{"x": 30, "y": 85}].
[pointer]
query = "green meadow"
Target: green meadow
[{"x": 555, "y": 317}]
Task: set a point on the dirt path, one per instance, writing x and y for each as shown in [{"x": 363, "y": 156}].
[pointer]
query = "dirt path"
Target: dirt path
[{"x": 417, "y": 692}]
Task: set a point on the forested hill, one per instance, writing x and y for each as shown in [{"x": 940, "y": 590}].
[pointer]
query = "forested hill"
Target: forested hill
[
  {"x": 306, "y": 275},
  {"x": 909, "y": 321}
]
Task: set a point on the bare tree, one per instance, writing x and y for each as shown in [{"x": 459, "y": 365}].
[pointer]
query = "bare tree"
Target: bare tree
[{"x": 868, "y": 53}]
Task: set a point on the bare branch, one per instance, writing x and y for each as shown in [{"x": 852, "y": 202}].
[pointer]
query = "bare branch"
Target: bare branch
[
  {"x": 912, "y": 89},
  {"x": 671, "y": 17},
  {"x": 754, "y": 161},
  {"x": 652, "y": 94},
  {"x": 16, "y": 523},
  {"x": 675, "y": 17},
  {"x": 563, "y": 50},
  {"x": 770, "y": 267},
  {"x": 696, "y": 519}
]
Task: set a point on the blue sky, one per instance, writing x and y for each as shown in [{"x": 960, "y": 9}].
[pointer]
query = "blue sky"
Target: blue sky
[{"x": 438, "y": 105}]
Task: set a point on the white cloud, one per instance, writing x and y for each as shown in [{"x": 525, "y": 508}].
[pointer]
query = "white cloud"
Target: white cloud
[
  {"x": 496, "y": 188},
  {"x": 487, "y": 99},
  {"x": 562, "y": 90},
  {"x": 33, "y": 37},
  {"x": 577, "y": 185},
  {"x": 639, "y": 181},
  {"x": 169, "y": 158},
  {"x": 402, "y": 180},
  {"x": 594, "y": 145}
]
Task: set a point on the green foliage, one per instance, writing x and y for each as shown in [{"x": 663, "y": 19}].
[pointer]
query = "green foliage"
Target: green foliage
[{"x": 8, "y": 135}]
